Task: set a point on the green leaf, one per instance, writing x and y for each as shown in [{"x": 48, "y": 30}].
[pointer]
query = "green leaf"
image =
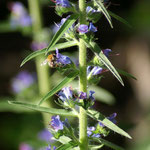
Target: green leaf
[
  {"x": 5, "y": 107},
  {"x": 100, "y": 55},
  {"x": 67, "y": 146},
  {"x": 66, "y": 80},
  {"x": 63, "y": 139},
  {"x": 66, "y": 25},
  {"x": 109, "y": 144},
  {"x": 99, "y": 117},
  {"x": 119, "y": 19},
  {"x": 104, "y": 11},
  {"x": 53, "y": 111},
  {"x": 42, "y": 51},
  {"x": 126, "y": 74},
  {"x": 95, "y": 147}
]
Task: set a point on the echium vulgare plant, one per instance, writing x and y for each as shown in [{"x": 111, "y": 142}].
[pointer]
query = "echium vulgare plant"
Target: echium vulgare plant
[{"x": 77, "y": 28}]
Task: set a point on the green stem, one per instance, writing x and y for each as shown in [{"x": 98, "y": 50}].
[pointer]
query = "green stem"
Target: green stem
[
  {"x": 83, "y": 80},
  {"x": 42, "y": 72}
]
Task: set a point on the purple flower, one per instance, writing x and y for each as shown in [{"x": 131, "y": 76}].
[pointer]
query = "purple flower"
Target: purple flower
[
  {"x": 90, "y": 132},
  {"x": 91, "y": 97},
  {"x": 83, "y": 95},
  {"x": 63, "y": 3},
  {"x": 89, "y": 9},
  {"x": 83, "y": 28},
  {"x": 22, "y": 81},
  {"x": 97, "y": 70},
  {"x": 49, "y": 148},
  {"x": 45, "y": 135},
  {"x": 19, "y": 15},
  {"x": 92, "y": 28},
  {"x": 56, "y": 123},
  {"x": 38, "y": 46},
  {"x": 65, "y": 94},
  {"x": 24, "y": 146},
  {"x": 106, "y": 52},
  {"x": 112, "y": 118},
  {"x": 62, "y": 59}
]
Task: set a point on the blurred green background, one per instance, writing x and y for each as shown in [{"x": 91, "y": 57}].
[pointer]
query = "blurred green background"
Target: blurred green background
[{"x": 132, "y": 102}]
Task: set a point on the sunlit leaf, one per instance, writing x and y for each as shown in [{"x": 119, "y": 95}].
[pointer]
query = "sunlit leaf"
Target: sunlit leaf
[
  {"x": 53, "y": 111},
  {"x": 66, "y": 80},
  {"x": 99, "y": 117},
  {"x": 100, "y": 55},
  {"x": 104, "y": 11},
  {"x": 43, "y": 51},
  {"x": 66, "y": 25},
  {"x": 119, "y": 19}
]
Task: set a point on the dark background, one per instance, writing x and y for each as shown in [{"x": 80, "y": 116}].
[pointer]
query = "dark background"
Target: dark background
[{"x": 132, "y": 101}]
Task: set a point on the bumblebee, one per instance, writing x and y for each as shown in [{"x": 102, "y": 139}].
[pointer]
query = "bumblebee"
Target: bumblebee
[{"x": 51, "y": 61}]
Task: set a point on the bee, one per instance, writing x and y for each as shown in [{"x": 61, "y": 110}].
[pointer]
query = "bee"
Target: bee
[{"x": 50, "y": 60}]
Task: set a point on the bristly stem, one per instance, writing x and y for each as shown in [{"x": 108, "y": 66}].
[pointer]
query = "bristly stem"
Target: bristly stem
[
  {"x": 83, "y": 80},
  {"x": 42, "y": 72}
]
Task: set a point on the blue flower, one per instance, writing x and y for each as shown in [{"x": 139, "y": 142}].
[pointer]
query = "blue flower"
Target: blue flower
[
  {"x": 24, "y": 146},
  {"x": 19, "y": 16},
  {"x": 92, "y": 28},
  {"x": 56, "y": 123},
  {"x": 97, "y": 70},
  {"x": 94, "y": 71},
  {"x": 112, "y": 118},
  {"x": 45, "y": 135},
  {"x": 83, "y": 95},
  {"x": 91, "y": 97},
  {"x": 83, "y": 28},
  {"x": 90, "y": 131},
  {"x": 65, "y": 94},
  {"x": 62, "y": 59},
  {"x": 63, "y": 3},
  {"x": 22, "y": 81},
  {"x": 89, "y": 9},
  {"x": 49, "y": 148},
  {"x": 106, "y": 52}
]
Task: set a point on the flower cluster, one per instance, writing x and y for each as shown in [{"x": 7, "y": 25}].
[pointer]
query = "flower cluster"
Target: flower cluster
[
  {"x": 85, "y": 28},
  {"x": 70, "y": 98},
  {"x": 19, "y": 16},
  {"x": 62, "y": 3}
]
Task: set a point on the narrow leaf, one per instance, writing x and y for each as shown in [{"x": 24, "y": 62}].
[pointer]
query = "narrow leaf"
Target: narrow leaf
[
  {"x": 44, "y": 109},
  {"x": 97, "y": 51},
  {"x": 66, "y": 25},
  {"x": 99, "y": 117},
  {"x": 66, "y": 80},
  {"x": 109, "y": 144},
  {"x": 119, "y": 19},
  {"x": 104, "y": 11},
  {"x": 42, "y": 51}
]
